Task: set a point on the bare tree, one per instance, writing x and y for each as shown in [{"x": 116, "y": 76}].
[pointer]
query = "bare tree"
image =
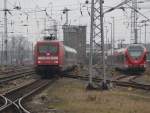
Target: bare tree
[{"x": 19, "y": 50}]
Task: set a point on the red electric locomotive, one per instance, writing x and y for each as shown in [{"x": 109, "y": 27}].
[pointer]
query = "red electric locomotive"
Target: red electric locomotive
[
  {"x": 131, "y": 58},
  {"x": 53, "y": 56}
]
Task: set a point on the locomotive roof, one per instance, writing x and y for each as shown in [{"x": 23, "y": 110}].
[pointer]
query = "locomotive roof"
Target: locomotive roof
[
  {"x": 67, "y": 48},
  {"x": 47, "y": 41}
]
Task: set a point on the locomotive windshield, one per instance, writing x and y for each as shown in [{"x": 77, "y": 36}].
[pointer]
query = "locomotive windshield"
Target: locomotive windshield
[
  {"x": 48, "y": 48},
  {"x": 135, "y": 51}
]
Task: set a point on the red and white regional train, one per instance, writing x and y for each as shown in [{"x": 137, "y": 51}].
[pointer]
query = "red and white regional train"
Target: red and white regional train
[
  {"x": 53, "y": 56},
  {"x": 132, "y": 58}
]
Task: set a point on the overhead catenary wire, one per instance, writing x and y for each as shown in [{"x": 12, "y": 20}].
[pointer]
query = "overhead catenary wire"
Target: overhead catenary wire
[
  {"x": 139, "y": 13},
  {"x": 29, "y": 12}
]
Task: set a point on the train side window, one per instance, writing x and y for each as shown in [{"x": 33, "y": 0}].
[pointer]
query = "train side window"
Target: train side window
[
  {"x": 66, "y": 54},
  {"x": 148, "y": 56},
  {"x": 121, "y": 58},
  {"x": 118, "y": 58}
]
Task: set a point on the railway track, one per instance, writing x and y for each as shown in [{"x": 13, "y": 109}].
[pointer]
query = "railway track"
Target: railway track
[
  {"x": 16, "y": 75},
  {"x": 16, "y": 98},
  {"x": 127, "y": 80},
  {"x": 14, "y": 69},
  {"x": 3, "y": 101},
  {"x": 129, "y": 83}
]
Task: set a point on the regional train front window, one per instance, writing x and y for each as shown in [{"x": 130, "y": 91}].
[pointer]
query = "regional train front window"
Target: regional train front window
[
  {"x": 135, "y": 51},
  {"x": 48, "y": 48}
]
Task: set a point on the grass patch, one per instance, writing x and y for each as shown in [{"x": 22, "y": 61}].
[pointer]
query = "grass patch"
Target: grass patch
[{"x": 70, "y": 96}]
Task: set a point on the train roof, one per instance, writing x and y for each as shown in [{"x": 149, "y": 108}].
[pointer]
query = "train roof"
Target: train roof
[
  {"x": 136, "y": 45},
  {"x": 69, "y": 49},
  {"x": 119, "y": 51},
  {"x": 47, "y": 41},
  {"x": 122, "y": 50}
]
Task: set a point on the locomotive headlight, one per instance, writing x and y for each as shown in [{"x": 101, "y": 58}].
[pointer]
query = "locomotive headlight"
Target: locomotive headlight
[
  {"x": 56, "y": 62},
  {"x": 43, "y": 58},
  {"x": 39, "y": 62},
  {"x": 54, "y": 58}
]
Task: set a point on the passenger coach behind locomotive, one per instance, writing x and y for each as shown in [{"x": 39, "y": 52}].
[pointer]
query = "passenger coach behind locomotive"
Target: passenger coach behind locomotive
[
  {"x": 53, "y": 56},
  {"x": 131, "y": 58}
]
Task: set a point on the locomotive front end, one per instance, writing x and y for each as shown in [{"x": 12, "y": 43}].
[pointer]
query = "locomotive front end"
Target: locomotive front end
[{"x": 136, "y": 57}]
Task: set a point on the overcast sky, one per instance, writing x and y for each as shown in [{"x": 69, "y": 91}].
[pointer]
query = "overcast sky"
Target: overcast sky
[{"x": 17, "y": 20}]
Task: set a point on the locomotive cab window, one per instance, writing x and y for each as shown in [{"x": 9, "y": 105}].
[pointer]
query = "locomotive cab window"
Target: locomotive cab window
[{"x": 48, "y": 48}]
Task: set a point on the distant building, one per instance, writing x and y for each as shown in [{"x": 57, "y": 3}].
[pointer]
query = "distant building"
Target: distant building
[{"x": 75, "y": 37}]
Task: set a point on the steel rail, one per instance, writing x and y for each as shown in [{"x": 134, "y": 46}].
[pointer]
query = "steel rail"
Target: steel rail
[
  {"x": 6, "y": 75},
  {"x": 7, "y": 103},
  {"x": 17, "y": 95},
  {"x": 20, "y": 101},
  {"x": 16, "y": 76},
  {"x": 3, "y": 101},
  {"x": 116, "y": 82},
  {"x": 11, "y": 102},
  {"x": 130, "y": 82},
  {"x": 13, "y": 69}
]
